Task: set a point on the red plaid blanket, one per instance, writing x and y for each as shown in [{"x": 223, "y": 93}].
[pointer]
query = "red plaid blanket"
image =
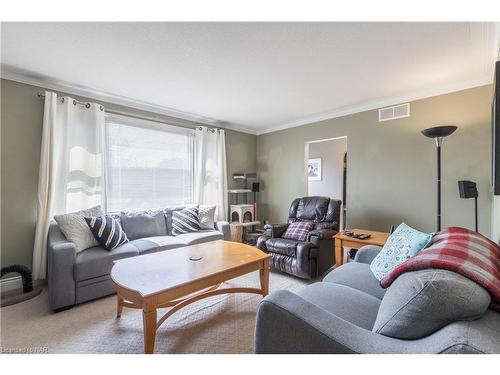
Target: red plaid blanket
[{"x": 462, "y": 251}]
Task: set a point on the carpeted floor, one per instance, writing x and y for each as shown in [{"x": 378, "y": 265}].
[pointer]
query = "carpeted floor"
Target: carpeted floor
[{"x": 220, "y": 324}]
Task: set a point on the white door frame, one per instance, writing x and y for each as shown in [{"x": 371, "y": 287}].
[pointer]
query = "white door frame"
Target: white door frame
[{"x": 306, "y": 159}]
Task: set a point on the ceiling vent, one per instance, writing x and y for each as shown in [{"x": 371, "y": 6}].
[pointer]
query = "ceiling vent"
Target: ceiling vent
[{"x": 392, "y": 113}]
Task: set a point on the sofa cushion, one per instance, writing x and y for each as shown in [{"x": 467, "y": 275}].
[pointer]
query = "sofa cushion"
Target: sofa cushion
[
  {"x": 421, "y": 302},
  {"x": 97, "y": 261},
  {"x": 357, "y": 276},
  {"x": 76, "y": 230},
  {"x": 401, "y": 245},
  {"x": 282, "y": 246},
  {"x": 200, "y": 236},
  {"x": 142, "y": 224},
  {"x": 159, "y": 243},
  {"x": 345, "y": 302}
]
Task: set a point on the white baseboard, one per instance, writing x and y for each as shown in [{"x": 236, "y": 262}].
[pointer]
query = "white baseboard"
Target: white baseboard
[
  {"x": 11, "y": 283},
  {"x": 16, "y": 282}
]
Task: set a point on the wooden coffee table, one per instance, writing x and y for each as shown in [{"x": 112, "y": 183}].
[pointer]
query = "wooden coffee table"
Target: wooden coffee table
[
  {"x": 171, "y": 279},
  {"x": 341, "y": 241}
]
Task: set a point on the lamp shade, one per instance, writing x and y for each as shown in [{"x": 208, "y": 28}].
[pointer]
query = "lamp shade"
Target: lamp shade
[{"x": 439, "y": 131}]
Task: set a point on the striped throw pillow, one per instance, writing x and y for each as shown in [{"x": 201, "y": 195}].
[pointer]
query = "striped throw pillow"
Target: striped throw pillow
[
  {"x": 107, "y": 230},
  {"x": 185, "y": 220}
]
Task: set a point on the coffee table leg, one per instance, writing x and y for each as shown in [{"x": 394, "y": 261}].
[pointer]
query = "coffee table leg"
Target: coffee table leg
[
  {"x": 264, "y": 277},
  {"x": 119, "y": 306},
  {"x": 149, "y": 322}
]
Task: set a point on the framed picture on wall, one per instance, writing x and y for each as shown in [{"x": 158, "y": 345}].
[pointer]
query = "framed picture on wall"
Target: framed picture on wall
[{"x": 314, "y": 171}]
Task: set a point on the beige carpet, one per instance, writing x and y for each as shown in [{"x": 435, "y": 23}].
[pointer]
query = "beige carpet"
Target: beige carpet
[{"x": 220, "y": 324}]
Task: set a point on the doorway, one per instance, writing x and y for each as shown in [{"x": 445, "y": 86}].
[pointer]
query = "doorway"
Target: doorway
[{"x": 326, "y": 170}]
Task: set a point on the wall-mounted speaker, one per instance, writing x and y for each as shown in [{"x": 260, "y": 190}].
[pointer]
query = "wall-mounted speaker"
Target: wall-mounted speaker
[
  {"x": 255, "y": 187},
  {"x": 467, "y": 189}
]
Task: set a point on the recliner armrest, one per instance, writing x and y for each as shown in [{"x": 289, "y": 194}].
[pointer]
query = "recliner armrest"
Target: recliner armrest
[
  {"x": 275, "y": 230},
  {"x": 367, "y": 253},
  {"x": 321, "y": 234},
  {"x": 261, "y": 242},
  {"x": 287, "y": 323},
  {"x": 224, "y": 228}
]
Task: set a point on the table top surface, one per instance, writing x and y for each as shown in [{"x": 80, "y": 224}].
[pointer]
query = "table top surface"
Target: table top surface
[
  {"x": 376, "y": 238},
  {"x": 153, "y": 273},
  {"x": 245, "y": 224}
]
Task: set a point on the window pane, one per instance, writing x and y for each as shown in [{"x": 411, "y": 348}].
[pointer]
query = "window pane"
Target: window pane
[{"x": 148, "y": 167}]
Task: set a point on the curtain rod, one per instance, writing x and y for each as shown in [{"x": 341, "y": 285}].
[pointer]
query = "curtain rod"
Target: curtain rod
[
  {"x": 212, "y": 130},
  {"x": 75, "y": 102},
  {"x": 122, "y": 113},
  {"x": 160, "y": 121},
  {"x": 150, "y": 118},
  {"x": 140, "y": 117}
]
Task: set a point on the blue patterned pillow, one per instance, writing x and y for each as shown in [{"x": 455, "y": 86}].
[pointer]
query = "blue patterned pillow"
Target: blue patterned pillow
[
  {"x": 401, "y": 245},
  {"x": 107, "y": 230}
]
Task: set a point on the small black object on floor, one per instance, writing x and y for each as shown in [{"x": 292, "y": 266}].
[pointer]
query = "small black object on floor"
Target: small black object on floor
[
  {"x": 15, "y": 296},
  {"x": 352, "y": 253}
]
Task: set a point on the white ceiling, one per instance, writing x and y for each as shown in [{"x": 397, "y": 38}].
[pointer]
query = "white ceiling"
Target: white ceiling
[{"x": 254, "y": 76}]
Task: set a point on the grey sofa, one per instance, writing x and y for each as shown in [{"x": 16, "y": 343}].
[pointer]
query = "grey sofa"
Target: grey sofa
[
  {"x": 79, "y": 277},
  {"x": 342, "y": 314}
]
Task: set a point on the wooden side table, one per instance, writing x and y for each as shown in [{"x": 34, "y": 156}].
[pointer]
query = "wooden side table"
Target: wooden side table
[
  {"x": 341, "y": 241},
  {"x": 238, "y": 230}
]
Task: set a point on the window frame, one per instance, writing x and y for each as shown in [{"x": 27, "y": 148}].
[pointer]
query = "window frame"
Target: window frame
[{"x": 137, "y": 122}]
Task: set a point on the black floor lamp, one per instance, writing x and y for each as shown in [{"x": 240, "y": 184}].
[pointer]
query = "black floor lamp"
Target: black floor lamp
[{"x": 438, "y": 133}]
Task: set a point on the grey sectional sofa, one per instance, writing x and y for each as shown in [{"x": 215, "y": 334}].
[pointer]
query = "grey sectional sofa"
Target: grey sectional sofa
[
  {"x": 349, "y": 312},
  {"x": 79, "y": 277}
]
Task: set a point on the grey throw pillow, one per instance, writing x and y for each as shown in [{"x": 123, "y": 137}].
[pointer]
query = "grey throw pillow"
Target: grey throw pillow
[
  {"x": 141, "y": 224},
  {"x": 421, "y": 302},
  {"x": 206, "y": 215},
  {"x": 75, "y": 228}
]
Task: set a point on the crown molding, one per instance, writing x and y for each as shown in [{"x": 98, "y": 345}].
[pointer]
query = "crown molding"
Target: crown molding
[
  {"x": 45, "y": 82},
  {"x": 16, "y": 75},
  {"x": 376, "y": 104},
  {"x": 485, "y": 37}
]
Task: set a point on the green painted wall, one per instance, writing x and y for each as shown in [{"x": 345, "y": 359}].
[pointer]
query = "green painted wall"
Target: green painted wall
[
  {"x": 391, "y": 166},
  {"x": 391, "y": 174},
  {"x": 21, "y": 132}
]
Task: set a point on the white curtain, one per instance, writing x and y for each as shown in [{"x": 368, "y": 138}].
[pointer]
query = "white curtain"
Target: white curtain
[
  {"x": 210, "y": 180},
  {"x": 71, "y": 166}
]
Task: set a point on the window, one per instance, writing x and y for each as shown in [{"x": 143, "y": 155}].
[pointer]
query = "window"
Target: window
[{"x": 149, "y": 165}]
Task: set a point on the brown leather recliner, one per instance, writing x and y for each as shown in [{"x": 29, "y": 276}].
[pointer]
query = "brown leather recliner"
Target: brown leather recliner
[{"x": 310, "y": 258}]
